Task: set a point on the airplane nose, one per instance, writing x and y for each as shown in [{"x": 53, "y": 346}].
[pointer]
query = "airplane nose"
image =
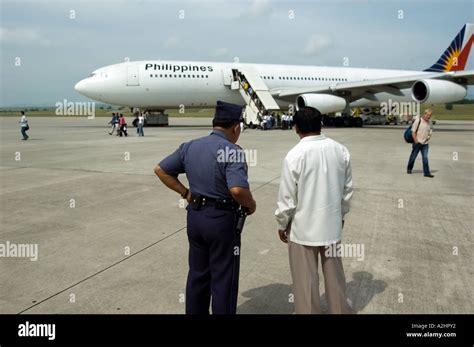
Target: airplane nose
[{"x": 80, "y": 86}]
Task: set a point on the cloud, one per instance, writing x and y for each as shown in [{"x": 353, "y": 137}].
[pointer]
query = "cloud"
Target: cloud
[
  {"x": 316, "y": 45},
  {"x": 23, "y": 37},
  {"x": 258, "y": 8},
  {"x": 172, "y": 41},
  {"x": 221, "y": 51}
]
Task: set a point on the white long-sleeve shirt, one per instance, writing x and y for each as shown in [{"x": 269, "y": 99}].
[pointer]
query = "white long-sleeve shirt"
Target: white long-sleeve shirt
[
  {"x": 315, "y": 191},
  {"x": 24, "y": 121}
]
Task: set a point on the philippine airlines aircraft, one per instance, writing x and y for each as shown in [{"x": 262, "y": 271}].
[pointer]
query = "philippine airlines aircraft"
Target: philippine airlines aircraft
[{"x": 160, "y": 85}]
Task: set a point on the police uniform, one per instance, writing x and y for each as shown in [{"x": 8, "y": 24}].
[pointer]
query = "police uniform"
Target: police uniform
[{"x": 214, "y": 243}]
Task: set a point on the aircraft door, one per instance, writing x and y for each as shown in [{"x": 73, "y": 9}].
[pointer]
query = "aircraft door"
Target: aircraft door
[
  {"x": 227, "y": 76},
  {"x": 132, "y": 75}
]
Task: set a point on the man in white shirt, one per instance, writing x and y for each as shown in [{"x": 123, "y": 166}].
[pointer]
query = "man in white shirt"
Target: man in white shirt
[
  {"x": 315, "y": 193},
  {"x": 265, "y": 122},
  {"x": 140, "y": 124},
  {"x": 24, "y": 125}
]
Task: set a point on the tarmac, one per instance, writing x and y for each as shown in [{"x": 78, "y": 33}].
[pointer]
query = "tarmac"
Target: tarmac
[{"x": 112, "y": 239}]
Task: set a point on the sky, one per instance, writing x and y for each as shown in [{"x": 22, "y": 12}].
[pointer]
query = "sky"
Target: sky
[{"x": 48, "y": 46}]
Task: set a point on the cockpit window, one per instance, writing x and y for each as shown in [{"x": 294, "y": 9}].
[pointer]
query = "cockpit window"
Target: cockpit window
[{"x": 92, "y": 74}]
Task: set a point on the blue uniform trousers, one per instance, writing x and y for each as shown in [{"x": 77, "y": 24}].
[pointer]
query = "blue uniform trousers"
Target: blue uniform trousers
[{"x": 214, "y": 261}]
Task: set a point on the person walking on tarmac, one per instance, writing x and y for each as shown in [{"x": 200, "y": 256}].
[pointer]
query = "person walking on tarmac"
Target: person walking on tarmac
[
  {"x": 114, "y": 122},
  {"x": 218, "y": 183},
  {"x": 24, "y": 126},
  {"x": 123, "y": 125}
]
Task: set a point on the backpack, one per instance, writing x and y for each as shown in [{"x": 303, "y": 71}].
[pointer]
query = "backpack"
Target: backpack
[{"x": 408, "y": 134}]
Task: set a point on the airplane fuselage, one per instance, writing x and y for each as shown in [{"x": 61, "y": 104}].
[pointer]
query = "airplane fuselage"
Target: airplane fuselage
[{"x": 160, "y": 85}]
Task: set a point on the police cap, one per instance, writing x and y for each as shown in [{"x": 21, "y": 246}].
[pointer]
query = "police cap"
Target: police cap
[{"x": 228, "y": 112}]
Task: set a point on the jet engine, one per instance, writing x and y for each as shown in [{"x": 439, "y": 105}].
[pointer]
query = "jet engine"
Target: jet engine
[
  {"x": 324, "y": 103},
  {"x": 437, "y": 91}
]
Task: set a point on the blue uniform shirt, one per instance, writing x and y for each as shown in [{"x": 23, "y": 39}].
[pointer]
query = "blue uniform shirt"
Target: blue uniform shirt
[{"x": 212, "y": 165}]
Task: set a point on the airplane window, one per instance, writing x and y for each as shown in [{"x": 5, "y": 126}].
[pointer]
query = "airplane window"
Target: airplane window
[
  {"x": 156, "y": 75},
  {"x": 151, "y": 75},
  {"x": 166, "y": 75},
  {"x": 207, "y": 76},
  {"x": 193, "y": 76},
  {"x": 189, "y": 76}
]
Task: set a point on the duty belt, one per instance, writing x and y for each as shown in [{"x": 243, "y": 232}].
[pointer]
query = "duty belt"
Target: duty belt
[{"x": 198, "y": 201}]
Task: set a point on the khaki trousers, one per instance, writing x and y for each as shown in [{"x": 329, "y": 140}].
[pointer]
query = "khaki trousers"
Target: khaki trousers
[{"x": 304, "y": 272}]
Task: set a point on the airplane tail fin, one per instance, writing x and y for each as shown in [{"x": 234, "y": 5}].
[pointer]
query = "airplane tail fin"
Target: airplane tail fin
[{"x": 455, "y": 56}]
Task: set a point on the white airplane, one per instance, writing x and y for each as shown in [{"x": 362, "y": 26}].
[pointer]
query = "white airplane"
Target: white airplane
[{"x": 155, "y": 86}]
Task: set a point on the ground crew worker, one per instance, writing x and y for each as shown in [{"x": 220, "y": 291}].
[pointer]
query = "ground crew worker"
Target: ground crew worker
[{"x": 217, "y": 173}]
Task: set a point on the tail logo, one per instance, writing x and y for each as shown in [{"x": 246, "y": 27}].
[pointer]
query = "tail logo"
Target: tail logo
[{"x": 455, "y": 56}]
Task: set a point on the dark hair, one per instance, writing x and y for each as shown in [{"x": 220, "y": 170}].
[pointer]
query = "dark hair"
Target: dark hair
[
  {"x": 308, "y": 120},
  {"x": 22, "y": 112},
  {"x": 226, "y": 124}
]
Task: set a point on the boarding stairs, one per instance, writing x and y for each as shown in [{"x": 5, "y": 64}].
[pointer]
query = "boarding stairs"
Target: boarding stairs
[{"x": 255, "y": 93}]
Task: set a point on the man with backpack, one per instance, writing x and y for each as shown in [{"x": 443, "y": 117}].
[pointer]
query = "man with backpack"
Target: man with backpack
[{"x": 421, "y": 132}]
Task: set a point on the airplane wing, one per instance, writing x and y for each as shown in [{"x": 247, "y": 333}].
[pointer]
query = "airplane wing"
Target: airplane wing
[{"x": 366, "y": 89}]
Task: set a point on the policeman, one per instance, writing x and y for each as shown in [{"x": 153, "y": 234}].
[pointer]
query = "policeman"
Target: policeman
[{"x": 217, "y": 174}]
